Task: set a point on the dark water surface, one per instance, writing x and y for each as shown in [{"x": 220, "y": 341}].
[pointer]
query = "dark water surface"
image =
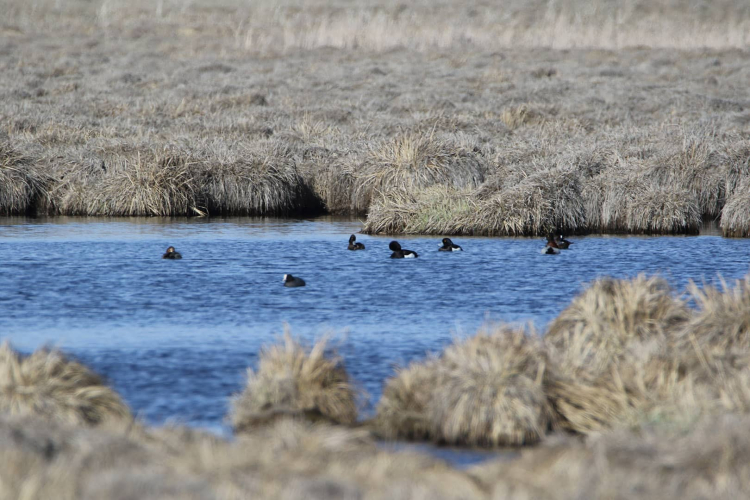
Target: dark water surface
[{"x": 175, "y": 337}]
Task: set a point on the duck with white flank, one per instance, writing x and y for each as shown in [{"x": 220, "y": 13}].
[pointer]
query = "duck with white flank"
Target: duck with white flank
[
  {"x": 449, "y": 246},
  {"x": 562, "y": 243},
  {"x": 399, "y": 253}
]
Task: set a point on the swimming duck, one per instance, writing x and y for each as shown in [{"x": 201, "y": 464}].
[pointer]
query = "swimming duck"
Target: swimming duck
[
  {"x": 398, "y": 253},
  {"x": 355, "y": 246},
  {"x": 171, "y": 254},
  {"x": 292, "y": 281},
  {"x": 562, "y": 242},
  {"x": 551, "y": 248},
  {"x": 449, "y": 246}
]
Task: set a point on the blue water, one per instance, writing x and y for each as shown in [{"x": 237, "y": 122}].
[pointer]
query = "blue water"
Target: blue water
[{"x": 176, "y": 337}]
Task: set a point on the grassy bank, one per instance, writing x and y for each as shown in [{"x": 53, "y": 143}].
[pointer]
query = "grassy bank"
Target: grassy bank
[
  {"x": 510, "y": 119},
  {"x": 632, "y": 388}
]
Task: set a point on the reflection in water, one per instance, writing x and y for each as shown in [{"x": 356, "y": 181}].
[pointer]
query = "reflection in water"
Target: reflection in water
[{"x": 175, "y": 337}]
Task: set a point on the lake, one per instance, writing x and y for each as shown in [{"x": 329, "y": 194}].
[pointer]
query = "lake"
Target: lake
[{"x": 175, "y": 338}]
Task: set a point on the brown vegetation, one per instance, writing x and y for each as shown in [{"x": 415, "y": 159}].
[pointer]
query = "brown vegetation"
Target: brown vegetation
[
  {"x": 285, "y": 459},
  {"x": 485, "y": 391},
  {"x": 47, "y": 384},
  {"x": 22, "y": 182},
  {"x": 293, "y": 381},
  {"x": 451, "y": 118},
  {"x": 708, "y": 461}
]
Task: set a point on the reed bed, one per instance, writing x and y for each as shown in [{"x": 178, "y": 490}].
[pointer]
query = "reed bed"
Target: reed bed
[
  {"x": 294, "y": 381},
  {"x": 486, "y": 391},
  {"x": 47, "y": 384}
]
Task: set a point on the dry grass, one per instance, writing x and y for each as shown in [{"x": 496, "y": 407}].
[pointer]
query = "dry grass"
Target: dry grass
[
  {"x": 286, "y": 459},
  {"x": 722, "y": 323},
  {"x": 629, "y": 352},
  {"x": 735, "y": 221},
  {"x": 47, "y": 384},
  {"x": 709, "y": 461},
  {"x": 485, "y": 391},
  {"x": 291, "y": 380},
  {"x": 610, "y": 316},
  {"x": 449, "y": 117},
  {"x": 490, "y": 391},
  {"x": 22, "y": 182},
  {"x": 415, "y": 161},
  {"x": 544, "y": 201},
  {"x": 433, "y": 210},
  {"x": 608, "y": 351},
  {"x": 402, "y": 409}
]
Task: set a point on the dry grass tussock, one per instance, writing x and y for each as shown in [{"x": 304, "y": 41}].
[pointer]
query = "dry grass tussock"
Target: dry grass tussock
[
  {"x": 708, "y": 461},
  {"x": 604, "y": 348},
  {"x": 174, "y": 181},
  {"x": 414, "y": 161},
  {"x": 47, "y": 384},
  {"x": 292, "y": 380},
  {"x": 547, "y": 200},
  {"x": 628, "y": 352},
  {"x": 722, "y": 322},
  {"x": 433, "y": 210},
  {"x": 611, "y": 315},
  {"x": 22, "y": 181},
  {"x": 286, "y": 459},
  {"x": 627, "y": 200},
  {"x": 735, "y": 218},
  {"x": 485, "y": 391}
]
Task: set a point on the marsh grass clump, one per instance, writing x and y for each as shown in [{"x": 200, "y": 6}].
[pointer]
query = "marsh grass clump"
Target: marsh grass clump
[
  {"x": 721, "y": 324},
  {"x": 22, "y": 181},
  {"x": 735, "y": 216},
  {"x": 485, "y": 391},
  {"x": 610, "y": 351},
  {"x": 43, "y": 459},
  {"x": 524, "y": 114},
  {"x": 297, "y": 459},
  {"x": 698, "y": 166},
  {"x": 704, "y": 460},
  {"x": 491, "y": 391},
  {"x": 330, "y": 174},
  {"x": 413, "y": 161},
  {"x": 610, "y": 315},
  {"x": 433, "y": 210},
  {"x": 663, "y": 210},
  {"x": 544, "y": 200},
  {"x": 292, "y": 380},
  {"x": 259, "y": 181},
  {"x": 402, "y": 409},
  {"x": 47, "y": 384},
  {"x": 626, "y": 200},
  {"x": 161, "y": 182}
]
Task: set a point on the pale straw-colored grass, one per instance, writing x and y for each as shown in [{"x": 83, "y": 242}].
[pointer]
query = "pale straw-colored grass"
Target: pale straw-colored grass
[
  {"x": 296, "y": 381},
  {"x": 47, "y": 384}
]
